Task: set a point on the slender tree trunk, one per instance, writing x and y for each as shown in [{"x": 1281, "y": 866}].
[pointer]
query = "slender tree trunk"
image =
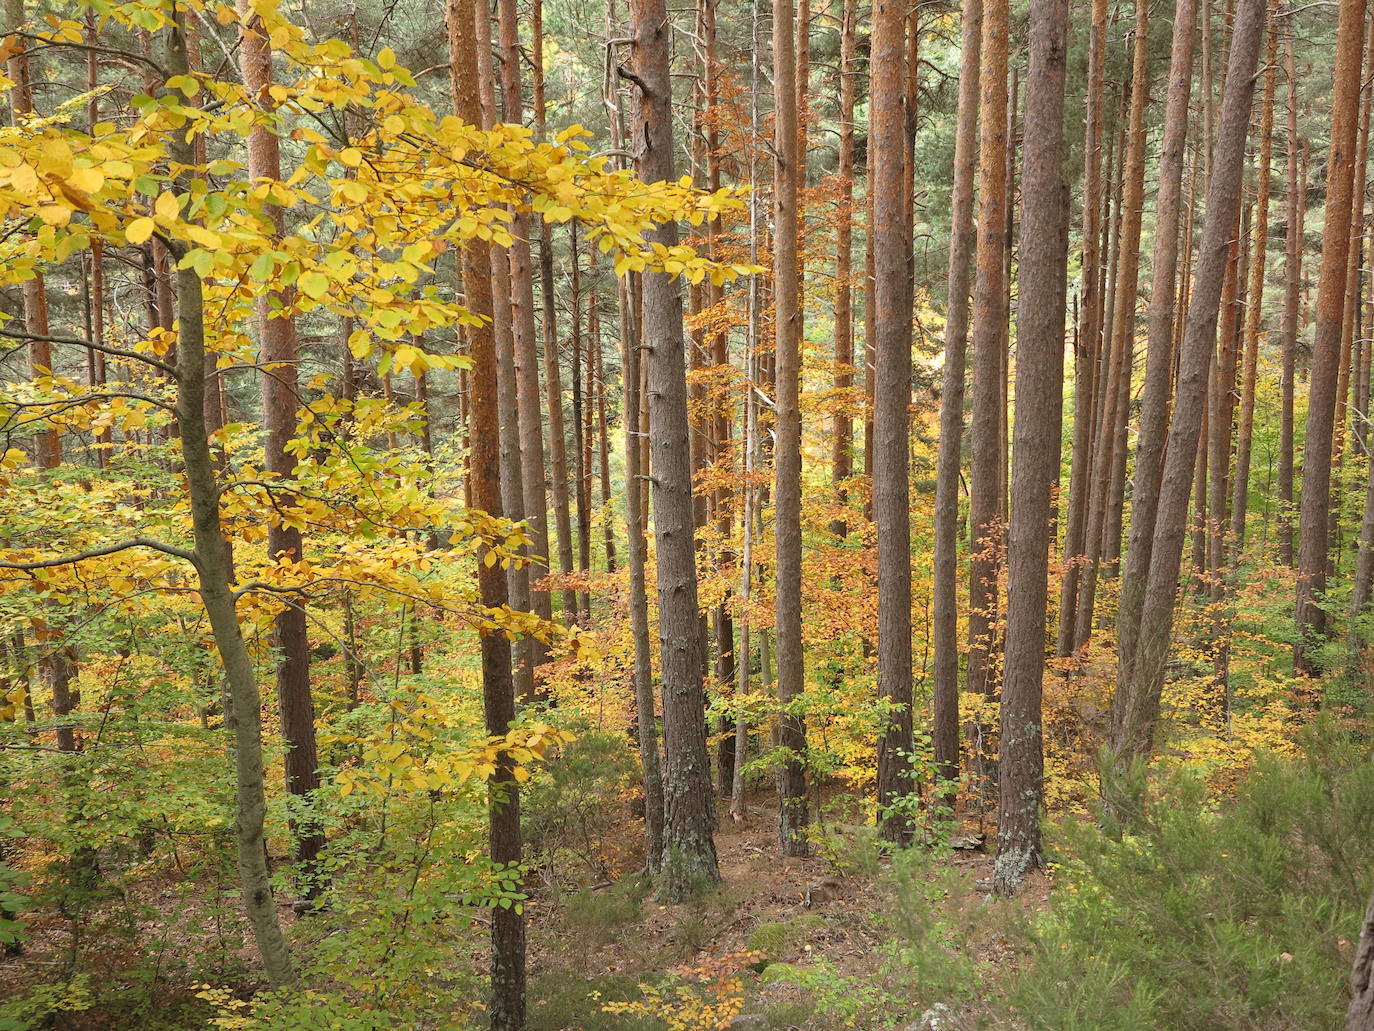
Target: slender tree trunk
[
  {"x": 841, "y": 448},
  {"x": 636, "y": 546},
  {"x": 989, "y": 341},
  {"x": 582, "y": 430},
  {"x": 945, "y": 602},
  {"x": 1089, "y": 335},
  {"x": 1035, "y": 472},
  {"x": 56, "y": 668},
  {"x": 787, "y": 325},
  {"x": 1223, "y": 414},
  {"x": 751, "y": 459},
  {"x": 1158, "y": 389},
  {"x": 214, "y": 575},
  {"x": 603, "y": 439},
  {"x": 689, "y": 854},
  {"x": 553, "y": 379},
  {"x": 512, "y": 479},
  {"x": 1313, "y": 526},
  {"x": 1136, "y": 708},
  {"x": 1109, "y": 478},
  {"x": 279, "y": 353},
  {"x": 507, "y": 1007},
  {"x": 1240, "y": 502},
  {"x": 1348, "y": 378},
  {"x": 892, "y": 347},
  {"x": 534, "y": 653}
]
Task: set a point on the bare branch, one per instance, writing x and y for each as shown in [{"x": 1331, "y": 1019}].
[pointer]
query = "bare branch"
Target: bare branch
[{"x": 102, "y": 550}]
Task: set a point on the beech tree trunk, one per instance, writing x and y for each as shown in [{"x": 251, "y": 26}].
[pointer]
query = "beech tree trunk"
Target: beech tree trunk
[
  {"x": 214, "y": 576},
  {"x": 689, "y": 853},
  {"x": 1313, "y": 525}
]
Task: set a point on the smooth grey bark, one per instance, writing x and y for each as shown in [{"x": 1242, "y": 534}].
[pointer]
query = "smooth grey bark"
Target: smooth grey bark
[{"x": 214, "y": 575}]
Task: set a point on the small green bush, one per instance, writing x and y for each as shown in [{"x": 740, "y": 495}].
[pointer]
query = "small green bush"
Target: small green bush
[
  {"x": 776, "y": 940},
  {"x": 1238, "y": 916},
  {"x": 560, "y": 1001}
]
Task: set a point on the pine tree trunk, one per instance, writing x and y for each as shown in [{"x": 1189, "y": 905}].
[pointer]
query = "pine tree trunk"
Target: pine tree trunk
[
  {"x": 603, "y": 442},
  {"x": 1089, "y": 336},
  {"x": 989, "y": 341},
  {"x": 689, "y": 854},
  {"x": 1313, "y": 528},
  {"x": 553, "y": 379},
  {"x": 1222, "y": 419},
  {"x": 1158, "y": 388},
  {"x": 508, "y": 408},
  {"x": 279, "y": 347},
  {"x": 787, "y": 324},
  {"x": 1296, "y": 206},
  {"x": 892, "y": 350},
  {"x": 534, "y": 653},
  {"x": 1360, "y": 1014},
  {"x": 1136, "y": 709},
  {"x": 1240, "y": 502},
  {"x": 1035, "y": 472},
  {"x": 582, "y": 429},
  {"x": 945, "y": 601},
  {"x": 1113, "y": 443},
  {"x": 841, "y": 446},
  {"x": 507, "y": 1006}
]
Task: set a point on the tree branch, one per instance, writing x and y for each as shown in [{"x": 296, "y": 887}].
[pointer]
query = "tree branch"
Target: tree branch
[{"x": 102, "y": 550}]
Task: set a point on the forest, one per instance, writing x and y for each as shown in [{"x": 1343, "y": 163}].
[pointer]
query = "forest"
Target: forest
[{"x": 546, "y": 515}]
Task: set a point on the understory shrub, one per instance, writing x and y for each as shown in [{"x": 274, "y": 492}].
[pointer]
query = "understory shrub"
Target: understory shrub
[{"x": 1241, "y": 914}]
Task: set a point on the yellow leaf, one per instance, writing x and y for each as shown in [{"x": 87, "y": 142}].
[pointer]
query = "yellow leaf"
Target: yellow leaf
[
  {"x": 139, "y": 230},
  {"x": 87, "y": 180},
  {"x": 55, "y": 214},
  {"x": 313, "y": 284},
  {"x": 386, "y": 59},
  {"x": 166, "y": 208}
]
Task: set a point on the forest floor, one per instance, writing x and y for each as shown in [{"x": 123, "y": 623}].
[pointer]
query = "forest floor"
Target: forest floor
[
  {"x": 819, "y": 915},
  {"x": 832, "y": 919}
]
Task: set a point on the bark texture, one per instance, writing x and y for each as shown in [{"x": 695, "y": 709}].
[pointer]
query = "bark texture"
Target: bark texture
[{"x": 1035, "y": 468}]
